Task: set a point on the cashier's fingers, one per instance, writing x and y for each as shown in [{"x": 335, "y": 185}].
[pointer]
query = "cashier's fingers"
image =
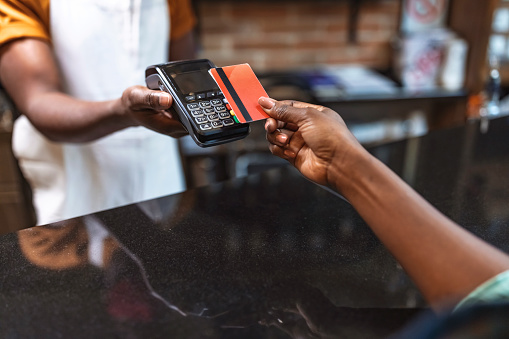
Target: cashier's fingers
[
  {"x": 148, "y": 108},
  {"x": 161, "y": 122},
  {"x": 140, "y": 97}
]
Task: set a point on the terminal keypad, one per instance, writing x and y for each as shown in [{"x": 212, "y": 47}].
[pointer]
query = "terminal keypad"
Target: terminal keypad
[{"x": 211, "y": 111}]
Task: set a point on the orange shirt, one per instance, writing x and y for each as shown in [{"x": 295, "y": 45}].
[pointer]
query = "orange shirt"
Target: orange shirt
[{"x": 31, "y": 19}]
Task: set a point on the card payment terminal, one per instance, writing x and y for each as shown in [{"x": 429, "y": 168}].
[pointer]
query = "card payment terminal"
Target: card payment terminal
[{"x": 197, "y": 101}]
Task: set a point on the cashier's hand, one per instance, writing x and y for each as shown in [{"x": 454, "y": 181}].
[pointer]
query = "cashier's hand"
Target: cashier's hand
[
  {"x": 148, "y": 108},
  {"x": 313, "y": 138}
]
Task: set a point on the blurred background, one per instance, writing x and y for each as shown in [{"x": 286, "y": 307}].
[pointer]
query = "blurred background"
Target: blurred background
[{"x": 392, "y": 69}]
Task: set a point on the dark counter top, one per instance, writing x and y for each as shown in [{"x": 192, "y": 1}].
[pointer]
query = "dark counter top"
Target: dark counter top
[{"x": 254, "y": 257}]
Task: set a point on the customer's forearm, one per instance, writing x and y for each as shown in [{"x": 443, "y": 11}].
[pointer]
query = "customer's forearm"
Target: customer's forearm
[{"x": 444, "y": 260}]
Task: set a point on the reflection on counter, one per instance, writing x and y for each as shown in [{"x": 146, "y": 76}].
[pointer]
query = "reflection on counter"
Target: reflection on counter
[
  {"x": 181, "y": 266},
  {"x": 15, "y": 195}
]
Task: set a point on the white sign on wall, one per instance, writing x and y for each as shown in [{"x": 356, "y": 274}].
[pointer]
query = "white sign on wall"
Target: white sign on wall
[{"x": 422, "y": 15}]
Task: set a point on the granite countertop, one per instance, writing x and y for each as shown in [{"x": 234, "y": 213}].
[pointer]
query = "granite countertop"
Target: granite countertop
[{"x": 266, "y": 256}]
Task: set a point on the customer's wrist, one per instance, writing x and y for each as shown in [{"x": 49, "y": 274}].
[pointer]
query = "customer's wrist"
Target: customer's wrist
[{"x": 347, "y": 171}]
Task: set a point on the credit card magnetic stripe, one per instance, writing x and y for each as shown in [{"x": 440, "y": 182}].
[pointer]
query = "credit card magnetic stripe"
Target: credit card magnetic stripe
[{"x": 233, "y": 94}]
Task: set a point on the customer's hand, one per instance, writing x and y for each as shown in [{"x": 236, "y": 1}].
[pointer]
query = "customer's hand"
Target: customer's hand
[
  {"x": 149, "y": 108},
  {"x": 313, "y": 138},
  {"x": 446, "y": 262}
]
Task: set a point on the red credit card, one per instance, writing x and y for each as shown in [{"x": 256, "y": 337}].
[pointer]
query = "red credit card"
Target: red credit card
[{"x": 242, "y": 89}]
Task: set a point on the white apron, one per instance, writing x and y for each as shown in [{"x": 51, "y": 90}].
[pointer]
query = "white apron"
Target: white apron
[{"x": 102, "y": 47}]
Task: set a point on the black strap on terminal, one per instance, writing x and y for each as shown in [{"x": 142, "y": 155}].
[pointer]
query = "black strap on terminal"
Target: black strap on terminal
[{"x": 234, "y": 94}]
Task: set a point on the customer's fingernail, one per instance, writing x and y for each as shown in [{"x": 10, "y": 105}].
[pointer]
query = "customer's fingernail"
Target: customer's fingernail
[
  {"x": 266, "y": 102},
  {"x": 281, "y": 138}
]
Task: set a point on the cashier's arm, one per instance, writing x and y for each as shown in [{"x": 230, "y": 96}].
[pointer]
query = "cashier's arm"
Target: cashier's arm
[
  {"x": 444, "y": 260},
  {"x": 29, "y": 74}
]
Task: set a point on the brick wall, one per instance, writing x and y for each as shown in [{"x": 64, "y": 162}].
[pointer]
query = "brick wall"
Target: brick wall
[{"x": 291, "y": 34}]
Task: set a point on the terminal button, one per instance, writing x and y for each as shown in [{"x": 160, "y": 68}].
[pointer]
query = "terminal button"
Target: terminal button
[{"x": 206, "y": 126}]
